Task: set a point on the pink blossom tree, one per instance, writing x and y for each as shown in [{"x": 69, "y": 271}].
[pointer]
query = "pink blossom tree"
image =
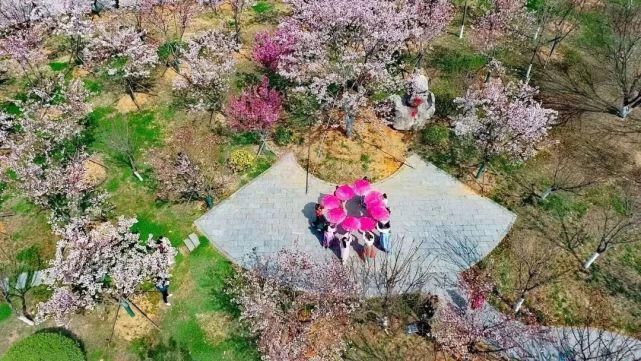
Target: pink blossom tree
[
  {"x": 345, "y": 49},
  {"x": 471, "y": 331},
  {"x": 255, "y": 110},
  {"x": 298, "y": 307},
  {"x": 103, "y": 262},
  {"x": 503, "y": 120},
  {"x": 503, "y": 21},
  {"x": 76, "y": 27},
  {"x": 204, "y": 79},
  {"x": 125, "y": 55},
  {"x": 270, "y": 48},
  {"x": 25, "y": 48}
]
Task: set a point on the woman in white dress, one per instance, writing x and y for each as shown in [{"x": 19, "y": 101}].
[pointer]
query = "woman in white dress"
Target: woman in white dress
[{"x": 346, "y": 244}]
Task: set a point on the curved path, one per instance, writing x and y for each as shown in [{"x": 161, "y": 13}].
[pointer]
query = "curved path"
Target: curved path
[{"x": 427, "y": 204}]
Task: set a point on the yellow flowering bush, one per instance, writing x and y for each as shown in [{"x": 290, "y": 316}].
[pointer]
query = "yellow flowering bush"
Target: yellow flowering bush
[{"x": 241, "y": 160}]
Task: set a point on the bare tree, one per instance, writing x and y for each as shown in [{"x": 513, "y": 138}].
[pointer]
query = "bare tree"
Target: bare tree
[
  {"x": 611, "y": 83},
  {"x": 561, "y": 175},
  {"x": 16, "y": 281},
  {"x": 535, "y": 268},
  {"x": 123, "y": 144},
  {"x": 237, "y": 8},
  {"x": 617, "y": 223},
  {"x": 555, "y": 21},
  {"x": 406, "y": 269}
]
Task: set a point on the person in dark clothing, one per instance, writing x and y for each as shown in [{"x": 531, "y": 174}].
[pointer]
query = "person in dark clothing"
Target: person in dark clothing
[
  {"x": 320, "y": 221},
  {"x": 162, "y": 285}
]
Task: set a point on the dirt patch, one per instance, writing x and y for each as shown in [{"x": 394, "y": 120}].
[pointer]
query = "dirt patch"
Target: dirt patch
[
  {"x": 126, "y": 105},
  {"x": 375, "y": 150},
  {"x": 216, "y": 326},
  {"x": 95, "y": 171},
  {"x": 130, "y": 328}
]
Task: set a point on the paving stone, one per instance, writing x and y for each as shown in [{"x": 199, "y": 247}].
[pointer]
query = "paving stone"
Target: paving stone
[{"x": 426, "y": 203}]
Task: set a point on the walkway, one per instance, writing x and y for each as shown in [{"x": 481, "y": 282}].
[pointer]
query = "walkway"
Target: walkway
[{"x": 427, "y": 204}]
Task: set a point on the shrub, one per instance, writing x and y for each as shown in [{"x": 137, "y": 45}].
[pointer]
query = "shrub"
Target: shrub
[
  {"x": 45, "y": 346},
  {"x": 5, "y": 311},
  {"x": 283, "y": 135},
  {"x": 241, "y": 160}
]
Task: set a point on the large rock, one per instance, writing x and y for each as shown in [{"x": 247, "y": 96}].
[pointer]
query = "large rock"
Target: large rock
[{"x": 416, "y": 107}]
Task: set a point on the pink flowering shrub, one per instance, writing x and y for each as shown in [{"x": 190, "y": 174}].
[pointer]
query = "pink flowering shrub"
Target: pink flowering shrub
[
  {"x": 256, "y": 109},
  {"x": 298, "y": 308},
  {"x": 268, "y": 49}
]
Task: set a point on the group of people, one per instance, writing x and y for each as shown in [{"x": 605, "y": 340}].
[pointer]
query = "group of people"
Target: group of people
[{"x": 331, "y": 234}]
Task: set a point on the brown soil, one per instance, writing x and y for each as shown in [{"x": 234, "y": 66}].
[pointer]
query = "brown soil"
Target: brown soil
[
  {"x": 95, "y": 171},
  {"x": 216, "y": 326},
  {"x": 130, "y": 328},
  {"x": 375, "y": 150},
  {"x": 126, "y": 105}
]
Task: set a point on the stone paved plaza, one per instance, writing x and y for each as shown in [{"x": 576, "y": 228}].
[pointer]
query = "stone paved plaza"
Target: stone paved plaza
[{"x": 427, "y": 205}]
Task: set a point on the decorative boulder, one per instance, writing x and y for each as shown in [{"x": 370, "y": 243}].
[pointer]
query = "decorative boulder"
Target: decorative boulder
[{"x": 416, "y": 107}]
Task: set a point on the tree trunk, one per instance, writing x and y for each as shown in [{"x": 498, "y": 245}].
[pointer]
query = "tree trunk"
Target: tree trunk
[
  {"x": 519, "y": 304},
  {"x": 117, "y": 4},
  {"x": 460, "y": 34},
  {"x": 480, "y": 171},
  {"x": 591, "y": 260},
  {"x": 547, "y": 193},
  {"x": 349, "y": 123}
]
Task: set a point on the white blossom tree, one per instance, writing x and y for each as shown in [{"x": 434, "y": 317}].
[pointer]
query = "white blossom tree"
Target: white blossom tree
[
  {"x": 125, "y": 55},
  {"x": 502, "y": 120},
  {"x": 101, "y": 262},
  {"x": 208, "y": 67},
  {"x": 345, "y": 49}
]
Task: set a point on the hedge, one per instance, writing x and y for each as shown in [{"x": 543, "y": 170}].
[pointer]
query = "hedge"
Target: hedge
[{"x": 45, "y": 346}]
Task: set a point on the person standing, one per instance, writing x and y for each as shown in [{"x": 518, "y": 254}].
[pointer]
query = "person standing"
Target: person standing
[
  {"x": 369, "y": 250},
  {"x": 162, "y": 285},
  {"x": 384, "y": 230},
  {"x": 329, "y": 235},
  {"x": 319, "y": 221},
  {"x": 346, "y": 244}
]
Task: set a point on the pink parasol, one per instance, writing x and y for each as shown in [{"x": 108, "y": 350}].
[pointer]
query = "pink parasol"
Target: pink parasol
[
  {"x": 351, "y": 224},
  {"x": 367, "y": 224},
  {"x": 330, "y": 202},
  {"x": 373, "y": 196},
  {"x": 336, "y": 215},
  {"x": 344, "y": 192},
  {"x": 375, "y": 204},
  {"x": 362, "y": 187},
  {"x": 379, "y": 213}
]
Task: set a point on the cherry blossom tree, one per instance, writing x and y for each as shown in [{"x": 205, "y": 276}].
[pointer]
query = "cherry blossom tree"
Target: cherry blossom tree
[
  {"x": 256, "y": 110},
  {"x": 103, "y": 262},
  {"x": 471, "y": 333},
  {"x": 504, "y": 20},
  {"x": 298, "y": 307},
  {"x": 342, "y": 50},
  {"x": 74, "y": 25},
  {"x": 167, "y": 18},
  {"x": 18, "y": 13},
  {"x": 209, "y": 64},
  {"x": 503, "y": 120},
  {"x": 125, "y": 55},
  {"x": 24, "y": 47},
  {"x": 180, "y": 178},
  {"x": 270, "y": 48},
  {"x": 237, "y": 8}
]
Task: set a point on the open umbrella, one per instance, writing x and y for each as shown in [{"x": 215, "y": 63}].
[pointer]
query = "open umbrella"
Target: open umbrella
[
  {"x": 362, "y": 187},
  {"x": 375, "y": 204},
  {"x": 351, "y": 224},
  {"x": 367, "y": 224},
  {"x": 344, "y": 192},
  {"x": 330, "y": 202},
  {"x": 373, "y": 196},
  {"x": 380, "y": 214},
  {"x": 336, "y": 215}
]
